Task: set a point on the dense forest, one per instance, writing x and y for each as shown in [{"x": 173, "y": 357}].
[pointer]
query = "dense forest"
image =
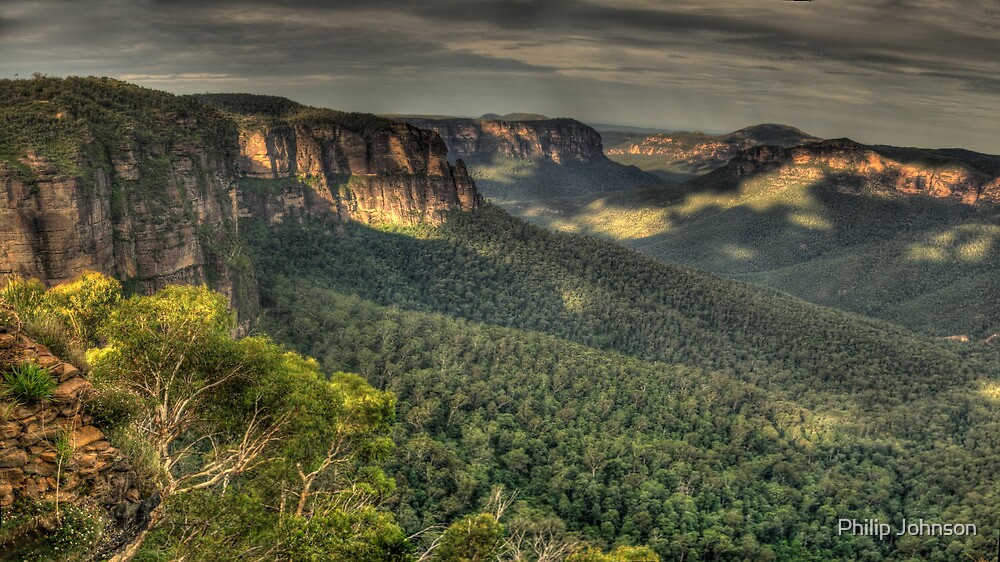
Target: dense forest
[
  {"x": 519, "y": 181},
  {"x": 90, "y": 121},
  {"x": 634, "y": 401}
]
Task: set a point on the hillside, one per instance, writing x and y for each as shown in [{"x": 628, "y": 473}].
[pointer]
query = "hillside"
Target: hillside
[
  {"x": 482, "y": 327},
  {"x": 482, "y": 388},
  {"x": 910, "y": 233},
  {"x": 101, "y": 175}
]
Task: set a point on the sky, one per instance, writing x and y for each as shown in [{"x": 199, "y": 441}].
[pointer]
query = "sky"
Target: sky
[{"x": 903, "y": 72}]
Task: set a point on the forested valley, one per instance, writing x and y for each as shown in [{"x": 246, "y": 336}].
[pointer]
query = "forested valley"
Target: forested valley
[{"x": 635, "y": 402}]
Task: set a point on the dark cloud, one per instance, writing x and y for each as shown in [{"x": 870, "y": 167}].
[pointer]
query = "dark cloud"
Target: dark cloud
[{"x": 916, "y": 72}]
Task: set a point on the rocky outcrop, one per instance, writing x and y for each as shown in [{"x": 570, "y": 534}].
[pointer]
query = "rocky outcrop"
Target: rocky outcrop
[
  {"x": 558, "y": 140},
  {"x": 396, "y": 173},
  {"x": 151, "y": 215},
  {"x": 856, "y": 168},
  {"x": 143, "y": 185},
  {"x": 93, "y": 473},
  {"x": 696, "y": 151}
]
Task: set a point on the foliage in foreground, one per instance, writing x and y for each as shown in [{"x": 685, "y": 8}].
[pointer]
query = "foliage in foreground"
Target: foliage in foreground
[
  {"x": 228, "y": 431},
  {"x": 256, "y": 453}
]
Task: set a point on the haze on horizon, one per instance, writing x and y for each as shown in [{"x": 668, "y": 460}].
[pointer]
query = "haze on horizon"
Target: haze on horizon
[{"x": 903, "y": 72}]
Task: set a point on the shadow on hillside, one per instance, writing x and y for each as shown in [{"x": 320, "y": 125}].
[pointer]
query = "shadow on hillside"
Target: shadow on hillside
[
  {"x": 898, "y": 257},
  {"x": 517, "y": 179},
  {"x": 702, "y": 218},
  {"x": 488, "y": 267}
]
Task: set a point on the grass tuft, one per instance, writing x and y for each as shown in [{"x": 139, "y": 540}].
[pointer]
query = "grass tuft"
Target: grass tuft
[{"x": 28, "y": 383}]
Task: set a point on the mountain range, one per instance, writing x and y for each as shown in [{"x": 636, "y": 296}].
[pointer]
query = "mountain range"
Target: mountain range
[{"x": 682, "y": 155}]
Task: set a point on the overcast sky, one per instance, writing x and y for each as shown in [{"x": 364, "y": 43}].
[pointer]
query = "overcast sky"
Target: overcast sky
[{"x": 904, "y": 72}]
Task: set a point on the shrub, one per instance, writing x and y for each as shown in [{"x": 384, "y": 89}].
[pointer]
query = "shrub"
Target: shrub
[
  {"x": 19, "y": 299},
  {"x": 23, "y": 295},
  {"x": 28, "y": 383},
  {"x": 53, "y": 333},
  {"x": 474, "y": 538},
  {"x": 83, "y": 304}
]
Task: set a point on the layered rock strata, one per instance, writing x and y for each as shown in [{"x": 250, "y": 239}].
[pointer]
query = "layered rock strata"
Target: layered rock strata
[
  {"x": 852, "y": 167},
  {"x": 558, "y": 140},
  {"x": 399, "y": 174}
]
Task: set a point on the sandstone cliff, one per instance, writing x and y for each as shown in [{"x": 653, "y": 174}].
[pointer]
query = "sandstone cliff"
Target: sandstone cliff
[
  {"x": 851, "y": 167},
  {"x": 101, "y": 175},
  {"x": 695, "y": 152},
  {"x": 558, "y": 140},
  {"x": 109, "y": 177},
  {"x": 397, "y": 174},
  {"x": 58, "y": 226}
]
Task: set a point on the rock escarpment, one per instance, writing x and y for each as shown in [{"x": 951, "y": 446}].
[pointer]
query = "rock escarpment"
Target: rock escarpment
[
  {"x": 699, "y": 152},
  {"x": 856, "y": 168},
  {"x": 58, "y": 226},
  {"x": 93, "y": 473},
  {"x": 395, "y": 173},
  {"x": 101, "y": 175},
  {"x": 558, "y": 140}
]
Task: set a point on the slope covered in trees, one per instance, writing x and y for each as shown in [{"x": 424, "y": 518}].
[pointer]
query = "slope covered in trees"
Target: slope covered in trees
[
  {"x": 549, "y": 397},
  {"x": 919, "y": 262},
  {"x": 634, "y": 401}
]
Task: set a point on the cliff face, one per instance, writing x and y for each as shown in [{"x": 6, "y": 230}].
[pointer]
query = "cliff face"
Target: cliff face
[
  {"x": 57, "y": 226},
  {"x": 100, "y": 175},
  {"x": 694, "y": 151},
  {"x": 398, "y": 173},
  {"x": 856, "y": 168},
  {"x": 128, "y": 182},
  {"x": 558, "y": 140}
]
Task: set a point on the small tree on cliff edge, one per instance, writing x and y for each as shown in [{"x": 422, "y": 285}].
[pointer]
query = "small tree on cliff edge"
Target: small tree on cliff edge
[{"x": 173, "y": 355}]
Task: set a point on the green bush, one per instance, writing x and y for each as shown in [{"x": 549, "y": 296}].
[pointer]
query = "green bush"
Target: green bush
[
  {"x": 28, "y": 383},
  {"x": 19, "y": 299},
  {"x": 83, "y": 304},
  {"x": 474, "y": 538},
  {"x": 620, "y": 554}
]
